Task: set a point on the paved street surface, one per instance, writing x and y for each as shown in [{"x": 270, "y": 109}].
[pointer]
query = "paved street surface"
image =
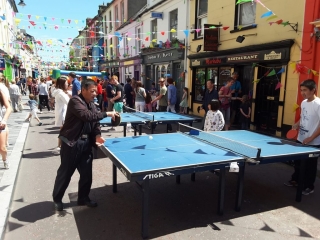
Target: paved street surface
[{"x": 185, "y": 211}]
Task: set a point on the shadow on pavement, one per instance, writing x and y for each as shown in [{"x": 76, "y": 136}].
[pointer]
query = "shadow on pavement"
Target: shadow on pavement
[
  {"x": 177, "y": 207},
  {"x": 45, "y": 154}
]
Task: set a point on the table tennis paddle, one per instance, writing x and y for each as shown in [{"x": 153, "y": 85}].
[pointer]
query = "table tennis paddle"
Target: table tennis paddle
[
  {"x": 292, "y": 134},
  {"x": 117, "y": 120}
]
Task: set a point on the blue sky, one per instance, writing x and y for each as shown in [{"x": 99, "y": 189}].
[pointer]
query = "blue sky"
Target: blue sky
[{"x": 58, "y": 9}]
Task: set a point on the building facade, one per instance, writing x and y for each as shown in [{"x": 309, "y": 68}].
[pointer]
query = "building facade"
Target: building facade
[
  {"x": 163, "y": 42},
  {"x": 256, "y": 43}
]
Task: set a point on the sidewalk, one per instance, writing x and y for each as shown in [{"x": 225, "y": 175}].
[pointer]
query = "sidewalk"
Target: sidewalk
[{"x": 18, "y": 130}]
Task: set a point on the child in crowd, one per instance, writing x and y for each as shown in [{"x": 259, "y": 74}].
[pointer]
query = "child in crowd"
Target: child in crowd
[
  {"x": 33, "y": 109},
  {"x": 245, "y": 110},
  {"x": 214, "y": 118},
  {"x": 148, "y": 102},
  {"x": 184, "y": 101}
]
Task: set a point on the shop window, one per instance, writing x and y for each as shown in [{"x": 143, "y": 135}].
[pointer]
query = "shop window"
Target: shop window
[
  {"x": 163, "y": 72},
  {"x": 246, "y": 14},
  {"x": 212, "y": 73},
  {"x": 202, "y": 16},
  {"x": 169, "y": 71},
  {"x": 173, "y": 23},
  {"x": 199, "y": 84},
  {"x": 154, "y": 29}
]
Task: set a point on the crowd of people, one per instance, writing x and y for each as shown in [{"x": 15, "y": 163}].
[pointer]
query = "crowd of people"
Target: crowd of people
[{"x": 79, "y": 105}]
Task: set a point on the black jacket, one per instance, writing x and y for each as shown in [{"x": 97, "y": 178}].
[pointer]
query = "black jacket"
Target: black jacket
[
  {"x": 208, "y": 96},
  {"x": 79, "y": 113}
]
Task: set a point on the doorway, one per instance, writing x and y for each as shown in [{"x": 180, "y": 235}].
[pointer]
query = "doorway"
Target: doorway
[{"x": 267, "y": 101}]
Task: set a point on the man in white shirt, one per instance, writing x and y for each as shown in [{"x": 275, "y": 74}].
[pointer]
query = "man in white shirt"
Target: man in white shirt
[
  {"x": 15, "y": 94},
  {"x": 309, "y": 134}
]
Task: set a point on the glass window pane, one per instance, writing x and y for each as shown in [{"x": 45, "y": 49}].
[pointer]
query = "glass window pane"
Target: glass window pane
[
  {"x": 247, "y": 13},
  {"x": 154, "y": 29},
  {"x": 224, "y": 73},
  {"x": 201, "y": 22},
  {"x": 202, "y": 7},
  {"x": 199, "y": 83},
  {"x": 173, "y": 23}
]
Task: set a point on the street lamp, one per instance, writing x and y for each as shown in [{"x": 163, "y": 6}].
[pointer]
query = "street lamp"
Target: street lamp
[{"x": 21, "y": 3}]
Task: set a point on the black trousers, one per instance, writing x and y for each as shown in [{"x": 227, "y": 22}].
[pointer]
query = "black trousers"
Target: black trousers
[
  {"x": 43, "y": 102},
  {"x": 77, "y": 157},
  {"x": 99, "y": 98},
  {"x": 310, "y": 171}
]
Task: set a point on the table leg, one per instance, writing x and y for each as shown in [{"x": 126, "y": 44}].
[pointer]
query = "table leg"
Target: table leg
[
  {"x": 125, "y": 130},
  {"x": 145, "y": 208},
  {"x": 167, "y": 128},
  {"x": 152, "y": 129},
  {"x": 135, "y": 130},
  {"x": 222, "y": 183},
  {"x": 140, "y": 129},
  {"x": 114, "y": 178},
  {"x": 300, "y": 182},
  {"x": 193, "y": 177},
  {"x": 178, "y": 179},
  {"x": 240, "y": 187}
]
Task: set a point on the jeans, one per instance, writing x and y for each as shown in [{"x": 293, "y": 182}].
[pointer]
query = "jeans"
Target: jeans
[
  {"x": 172, "y": 108},
  {"x": 43, "y": 102},
  {"x": 14, "y": 100}
]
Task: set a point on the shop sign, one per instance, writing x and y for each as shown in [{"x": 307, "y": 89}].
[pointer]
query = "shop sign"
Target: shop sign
[
  {"x": 2, "y": 64},
  {"x": 211, "y": 37},
  {"x": 195, "y": 63},
  {"x": 158, "y": 15},
  {"x": 213, "y": 61},
  {"x": 243, "y": 58},
  {"x": 272, "y": 56},
  {"x": 162, "y": 57},
  {"x": 127, "y": 63}
]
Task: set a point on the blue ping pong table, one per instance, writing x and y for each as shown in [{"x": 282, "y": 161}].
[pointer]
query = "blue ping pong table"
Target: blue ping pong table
[
  {"x": 142, "y": 159},
  {"x": 152, "y": 118}
]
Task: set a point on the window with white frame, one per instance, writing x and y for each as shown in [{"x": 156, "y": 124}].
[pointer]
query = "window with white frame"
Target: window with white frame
[
  {"x": 154, "y": 29},
  {"x": 173, "y": 23},
  {"x": 138, "y": 40},
  {"x": 116, "y": 12},
  {"x": 126, "y": 45},
  {"x": 122, "y": 12},
  {"x": 110, "y": 21},
  {"x": 202, "y": 16},
  {"x": 111, "y": 48},
  {"x": 246, "y": 13}
]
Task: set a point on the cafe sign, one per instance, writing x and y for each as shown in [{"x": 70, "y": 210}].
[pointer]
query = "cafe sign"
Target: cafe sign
[{"x": 243, "y": 57}]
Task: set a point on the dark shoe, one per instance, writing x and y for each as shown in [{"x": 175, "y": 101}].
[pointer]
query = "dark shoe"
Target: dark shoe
[
  {"x": 58, "y": 206},
  {"x": 291, "y": 183},
  {"x": 88, "y": 203},
  {"x": 40, "y": 123}
]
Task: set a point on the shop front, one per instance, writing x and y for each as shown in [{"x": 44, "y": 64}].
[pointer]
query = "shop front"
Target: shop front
[
  {"x": 262, "y": 73},
  {"x": 110, "y": 67},
  {"x": 158, "y": 63},
  {"x": 130, "y": 68}
]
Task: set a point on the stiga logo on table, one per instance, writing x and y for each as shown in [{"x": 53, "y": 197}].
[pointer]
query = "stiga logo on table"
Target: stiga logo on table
[{"x": 158, "y": 175}]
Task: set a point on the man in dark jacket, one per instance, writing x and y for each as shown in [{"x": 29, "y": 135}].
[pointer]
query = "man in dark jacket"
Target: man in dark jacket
[
  {"x": 209, "y": 94},
  {"x": 80, "y": 132}
]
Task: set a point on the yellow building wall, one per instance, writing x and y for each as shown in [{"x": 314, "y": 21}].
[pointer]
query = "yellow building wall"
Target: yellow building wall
[{"x": 223, "y": 12}]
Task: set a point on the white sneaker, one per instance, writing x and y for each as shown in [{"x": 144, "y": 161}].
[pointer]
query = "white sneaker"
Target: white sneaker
[{"x": 6, "y": 164}]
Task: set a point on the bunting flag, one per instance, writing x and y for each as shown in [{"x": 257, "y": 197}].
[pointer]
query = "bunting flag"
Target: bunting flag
[
  {"x": 272, "y": 73},
  {"x": 278, "y": 86},
  {"x": 267, "y": 14},
  {"x": 295, "y": 107}
]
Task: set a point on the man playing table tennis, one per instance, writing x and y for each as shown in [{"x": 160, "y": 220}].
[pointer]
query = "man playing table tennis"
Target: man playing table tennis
[
  {"x": 80, "y": 132},
  {"x": 309, "y": 134}
]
